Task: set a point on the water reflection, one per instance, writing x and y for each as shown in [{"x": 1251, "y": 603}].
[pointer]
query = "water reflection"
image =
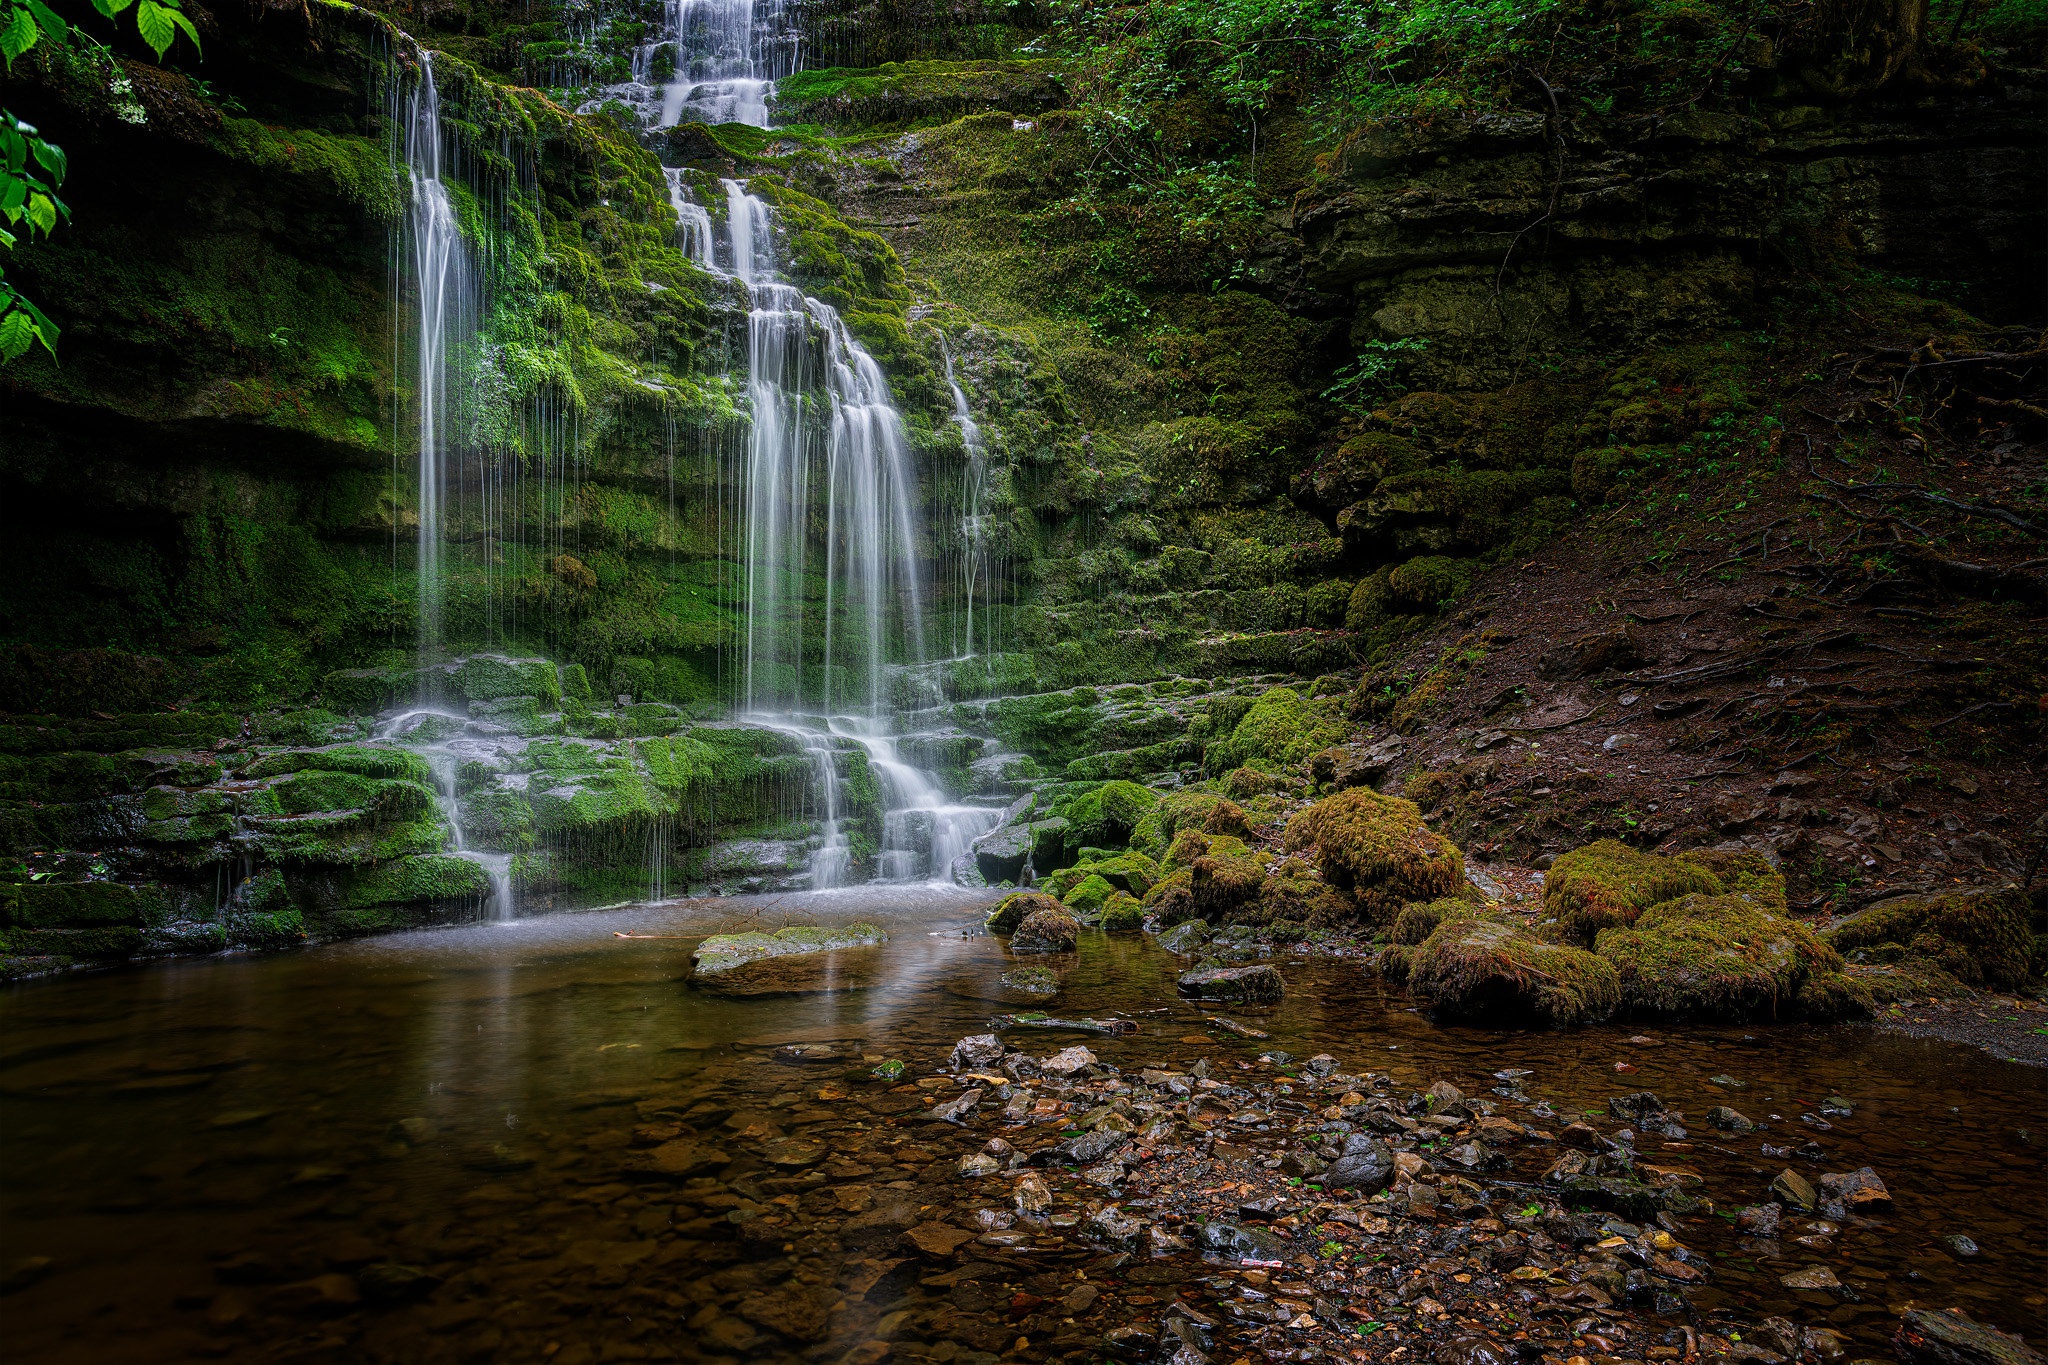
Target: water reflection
[{"x": 184, "y": 1139}]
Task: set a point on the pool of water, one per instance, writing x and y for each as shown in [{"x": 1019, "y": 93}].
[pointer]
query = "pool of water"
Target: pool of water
[{"x": 209, "y": 1152}]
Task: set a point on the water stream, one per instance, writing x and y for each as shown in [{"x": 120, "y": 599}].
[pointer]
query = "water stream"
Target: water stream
[
  {"x": 446, "y": 740},
  {"x": 193, "y": 1144}
]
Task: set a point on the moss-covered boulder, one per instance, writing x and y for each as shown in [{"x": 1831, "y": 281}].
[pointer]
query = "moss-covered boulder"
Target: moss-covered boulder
[
  {"x": 1607, "y": 885},
  {"x": 1013, "y": 909},
  {"x": 1047, "y": 931},
  {"x": 1200, "y": 811},
  {"x": 1714, "y": 957},
  {"x": 1828, "y": 997},
  {"x": 1257, "y": 985},
  {"x": 1122, "y": 914},
  {"x": 1225, "y": 878},
  {"x": 1130, "y": 871},
  {"x": 1376, "y": 849},
  {"x": 1743, "y": 872},
  {"x": 1417, "y": 922},
  {"x": 1486, "y": 969},
  {"x": 1982, "y": 938},
  {"x": 1172, "y": 898},
  {"x": 1105, "y": 816},
  {"x": 1294, "y": 892},
  {"x": 1085, "y": 898}
]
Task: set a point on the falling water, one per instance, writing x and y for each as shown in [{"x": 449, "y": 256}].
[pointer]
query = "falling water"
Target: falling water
[
  {"x": 445, "y": 740},
  {"x": 444, "y": 286},
  {"x": 693, "y": 221},
  {"x": 975, "y": 575}
]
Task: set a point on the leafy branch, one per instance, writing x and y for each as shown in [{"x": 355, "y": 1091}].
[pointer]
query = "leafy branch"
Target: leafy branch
[{"x": 32, "y": 168}]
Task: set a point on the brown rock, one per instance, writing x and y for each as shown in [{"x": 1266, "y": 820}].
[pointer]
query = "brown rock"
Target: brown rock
[{"x": 936, "y": 1239}]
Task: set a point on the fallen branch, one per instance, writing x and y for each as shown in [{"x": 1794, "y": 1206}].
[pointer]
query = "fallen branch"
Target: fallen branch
[
  {"x": 1557, "y": 725},
  {"x": 1232, "y": 1026},
  {"x": 1969, "y": 710}
]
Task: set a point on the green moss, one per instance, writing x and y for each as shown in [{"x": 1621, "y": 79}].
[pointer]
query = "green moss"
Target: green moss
[
  {"x": 1743, "y": 872},
  {"x": 1483, "y": 968},
  {"x": 1417, "y": 922},
  {"x": 1981, "y": 938},
  {"x": 1608, "y": 884},
  {"x": 1226, "y": 879},
  {"x": 726, "y": 952},
  {"x": 1106, "y": 815},
  {"x": 1087, "y": 896},
  {"x": 1047, "y": 930},
  {"x": 1295, "y": 893},
  {"x": 1714, "y": 956},
  {"x": 1377, "y": 849},
  {"x": 1829, "y": 997},
  {"x": 80, "y": 905},
  {"x": 1131, "y": 872},
  {"x": 1005, "y": 918},
  {"x": 1122, "y": 914},
  {"x": 357, "y": 759}
]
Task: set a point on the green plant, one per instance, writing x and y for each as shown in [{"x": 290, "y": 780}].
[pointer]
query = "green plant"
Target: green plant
[
  {"x": 1372, "y": 376},
  {"x": 31, "y": 166}
]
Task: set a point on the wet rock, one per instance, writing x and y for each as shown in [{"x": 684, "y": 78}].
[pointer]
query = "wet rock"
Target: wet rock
[
  {"x": 1250, "y": 1245},
  {"x": 1001, "y": 854},
  {"x": 22, "y": 1272},
  {"x": 936, "y": 1239},
  {"x": 1858, "y": 1191},
  {"x": 1185, "y": 939},
  {"x": 389, "y": 1282},
  {"x": 1068, "y": 1062},
  {"x": 894, "y": 1212},
  {"x": 1085, "y": 1150},
  {"x": 1046, "y": 931},
  {"x": 723, "y": 953},
  {"x": 1471, "y": 1351},
  {"x": 1812, "y": 1278},
  {"x": 1929, "y": 1338},
  {"x": 1115, "y": 1227},
  {"x": 1729, "y": 1121},
  {"x": 1794, "y": 1191},
  {"x": 958, "y": 1110},
  {"x": 1583, "y": 1137},
  {"x": 1959, "y": 1244},
  {"x": 797, "y": 1152},
  {"x": 1238, "y": 985},
  {"x": 685, "y": 1157},
  {"x": 1636, "y": 1108},
  {"x": 1322, "y": 1064},
  {"x": 1032, "y": 1195},
  {"x": 1130, "y": 1342},
  {"x": 321, "y": 1296},
  {"x": 1040, "y": 983},
  {"x": 978, "y": 1164},
  {"x": 1759, "y": 1220},
  {"x": 1366, "y": 1166},
  {"x": 977, "y": 1052}
]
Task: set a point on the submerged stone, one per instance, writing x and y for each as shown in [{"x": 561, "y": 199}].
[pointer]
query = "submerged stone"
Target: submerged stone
[
  {"x": 725, "y": 952},
  {"x": 1243, "y": 985}
]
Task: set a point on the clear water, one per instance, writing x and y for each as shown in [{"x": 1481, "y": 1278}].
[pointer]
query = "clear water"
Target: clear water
[{"x": 173, "y": 1132}]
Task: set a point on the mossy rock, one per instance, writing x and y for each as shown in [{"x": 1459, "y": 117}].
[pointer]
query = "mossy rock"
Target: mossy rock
[
  {"x": 1186, "y": 810},
  {"x": 1172, "y": 898},
  {"x": 1086, "y": 898},
  {"x": 722, "y": 953},
  {"x": 81, "y": 905},
  {"x": 1294, "y": 892},
  {"x": 1908, "y": 980},
  {"x": 1047, "y": 931},
  {"x": 1226, "y": 879},
  {"x": 1245, "y": 784},
  {"x": 1107, "y": 815},
  {"x": 1122, "y": 914},
  {"x": 432, "y": 877},
  {"x": 1377, "y": 849},
  {"x": 1743, "y": 872},
  {"x": 1013, "y": 909},
  {"x": 361, "y": 760},
  {"x": 1395, "y": 961},
  {"x": 1254, "y": 985},
  {"x": 1040, "y": 983},
  {"x": 1280, "y": 728},
  {"x": 1486, "y": 969},
  {"x": 494, "y": 677},
  {"x": 1417, "y": 922},
  {"x": 1981, "y": 938},
  {"x": 1129, "y": 871},
  {"x": 1829, "y": 997},
  {"x": 1714, "y": 957},
  {"x": 1607, "y": 885}
]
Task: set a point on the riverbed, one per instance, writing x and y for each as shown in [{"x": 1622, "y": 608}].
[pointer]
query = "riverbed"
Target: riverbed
[{"x": 432, "y": 1145}]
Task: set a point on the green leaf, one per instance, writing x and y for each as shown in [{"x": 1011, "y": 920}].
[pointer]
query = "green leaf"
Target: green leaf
[
  {"x": 178, "y": 18},
  {"x": 153, "y": 21},
  {"x": 19, "y": 36},
  {"x": 17, "y": 333},
  {"x": 110, "y": 8},
  {"x": 51, "y": 158},
  {"x": 52, "y": 23},
  {"x": 42, "y": 212}
]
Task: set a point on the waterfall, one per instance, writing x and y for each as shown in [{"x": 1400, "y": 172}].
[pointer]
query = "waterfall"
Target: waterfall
[
  {"x": 975, "y": 569},
  {"x": 445, "y": 739},
  {"x": 445, "y": 288},
  {"x": 693, "y": 221}
]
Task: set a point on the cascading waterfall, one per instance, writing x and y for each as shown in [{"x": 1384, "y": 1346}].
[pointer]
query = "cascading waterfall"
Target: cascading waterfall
[
  {"x": 444, "y": 282},
  {"x": 442, "y": 738},
  {"x": 693, "y": 221},
  {"x": 976, "y": 572}
]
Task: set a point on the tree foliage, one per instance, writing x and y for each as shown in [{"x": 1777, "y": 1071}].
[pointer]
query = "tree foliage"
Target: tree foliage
[{"x": 32, "y": 168}]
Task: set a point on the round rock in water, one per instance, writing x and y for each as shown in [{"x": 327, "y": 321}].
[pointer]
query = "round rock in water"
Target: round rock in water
[
  {"x": 1366, "y": 1166},
  {"x": 1259, "y": 985}
]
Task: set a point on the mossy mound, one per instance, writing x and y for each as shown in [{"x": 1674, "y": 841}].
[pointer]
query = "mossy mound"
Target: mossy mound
[
  {"x": 1606, "y": 885},
  {"x": 1226, "y": 878},
  {"x": 1015, "y": 907},
  {"x": 1485, "y": 969},
  {"x": 1417, "y": 922},
  {"x": 1377, "y": 849},
  {"x": 1296, "y": 893},
  {"x": 1132, "y": 872},
  {"x": 1106, "y": 816},
  {"x": 1909, "y": 980},
  {"x": 1040, "y": 983},
  {"x": 1121, "y": 914},
  {"x": 1743, "y": 872},
  {"x": 1981, "y": 938},
  {"x": 1395, "y": 961},
  {"x": 1046, "y": 931},
  {"x": 1717, "y": 957},
  {"x": 1828, "y": 997},
  {"x": 1192, "y": 810},
  {"x": 1246, "y": 784},
  {"x": 1087, "y": 897},
  {"x": 1172, "y": 897}
]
